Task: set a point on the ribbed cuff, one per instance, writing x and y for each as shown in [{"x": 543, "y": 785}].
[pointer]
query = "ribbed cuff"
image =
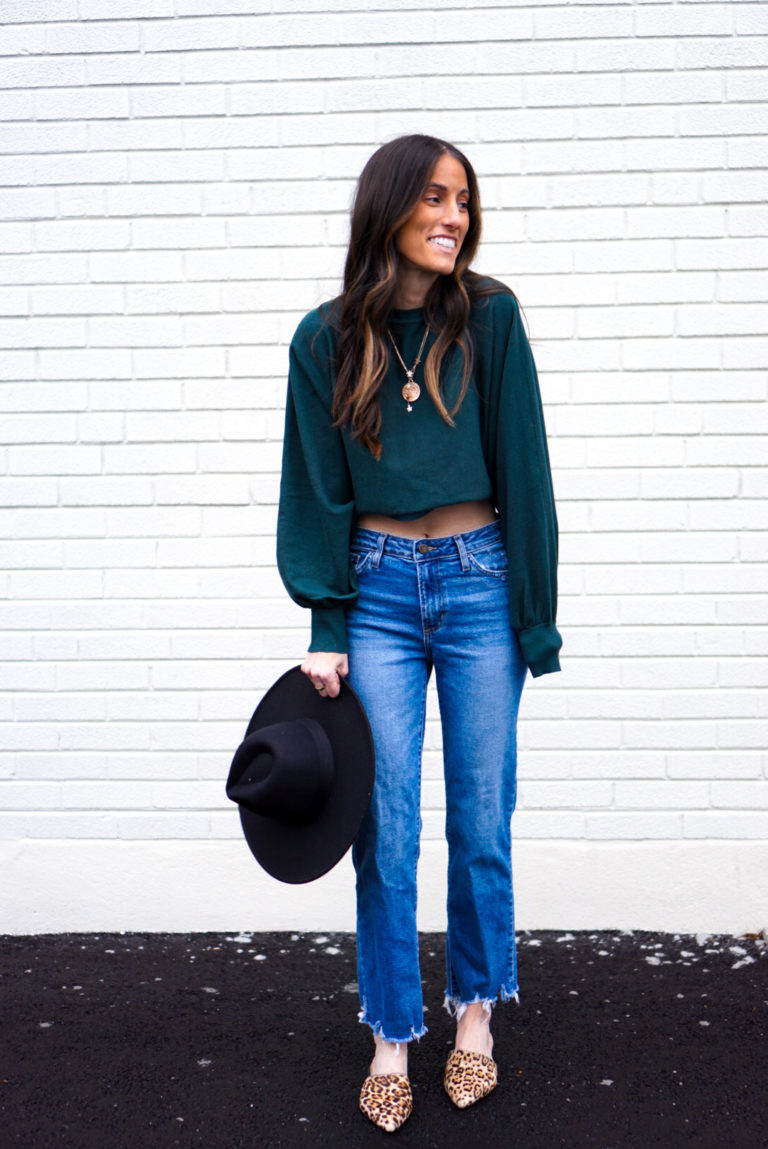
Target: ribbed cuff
[
  {"x": 329, "y": 630},
  {"x": 540, "y": 645}
]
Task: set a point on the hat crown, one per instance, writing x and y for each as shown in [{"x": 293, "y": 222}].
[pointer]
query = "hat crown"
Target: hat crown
[
  {"x": 284, "y": 771},
  {"x": 303, "y": 777}
]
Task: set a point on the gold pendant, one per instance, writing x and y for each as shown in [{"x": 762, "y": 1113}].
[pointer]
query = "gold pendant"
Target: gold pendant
[{"x": 411, "y": 391}]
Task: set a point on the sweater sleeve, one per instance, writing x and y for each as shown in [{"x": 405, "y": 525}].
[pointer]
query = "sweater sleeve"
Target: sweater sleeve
[
  {"x": 520, "y": 469},
  {"x": 316, "y": 507}
]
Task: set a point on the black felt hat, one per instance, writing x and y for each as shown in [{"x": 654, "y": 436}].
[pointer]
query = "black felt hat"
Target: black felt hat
[{"x": 303, "y": 777}]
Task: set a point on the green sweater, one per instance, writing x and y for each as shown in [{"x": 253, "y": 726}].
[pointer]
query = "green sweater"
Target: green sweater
[{"x": 496, "y": 450}]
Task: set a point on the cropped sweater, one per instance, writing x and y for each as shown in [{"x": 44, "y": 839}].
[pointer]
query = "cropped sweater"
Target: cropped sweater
[{"x": 497, "y": 449}]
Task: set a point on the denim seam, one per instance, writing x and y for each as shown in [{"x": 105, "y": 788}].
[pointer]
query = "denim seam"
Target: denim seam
[
  {"x": 361, "y": 560},
  {"x": 417, "y": 841},
  {"x": 498, "y": 572}
]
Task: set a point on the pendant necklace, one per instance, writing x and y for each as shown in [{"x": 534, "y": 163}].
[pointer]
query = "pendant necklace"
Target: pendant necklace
[{"x": 411, "y": 390}]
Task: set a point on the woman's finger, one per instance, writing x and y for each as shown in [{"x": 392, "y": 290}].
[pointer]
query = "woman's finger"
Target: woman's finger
[
  {"x": 330, "y": 687},
  {"x": 323, "y": 670}
]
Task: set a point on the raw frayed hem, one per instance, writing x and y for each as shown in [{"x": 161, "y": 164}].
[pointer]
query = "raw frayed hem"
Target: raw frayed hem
[
  {"x": 378, "y": 1031},
  {"x": 457, "y": 1008}
]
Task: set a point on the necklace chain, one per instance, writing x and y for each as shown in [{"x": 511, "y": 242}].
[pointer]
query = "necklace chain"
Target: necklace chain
[{"x": 411, "y": 389}]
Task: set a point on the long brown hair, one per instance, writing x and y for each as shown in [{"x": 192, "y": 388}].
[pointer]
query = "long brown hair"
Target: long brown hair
[{"x": 390, "y": 186}]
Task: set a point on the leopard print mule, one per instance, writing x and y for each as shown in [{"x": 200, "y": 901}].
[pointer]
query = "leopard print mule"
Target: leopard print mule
[
  {"x": 469, "y": 1076},
  {"x": 386, "y": 1100}
]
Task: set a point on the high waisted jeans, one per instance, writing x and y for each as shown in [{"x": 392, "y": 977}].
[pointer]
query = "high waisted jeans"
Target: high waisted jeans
[{"x": 442, "y": 603}]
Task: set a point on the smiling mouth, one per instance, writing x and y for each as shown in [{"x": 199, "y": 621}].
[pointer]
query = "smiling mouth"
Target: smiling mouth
[{"x": 444, "y": 242}]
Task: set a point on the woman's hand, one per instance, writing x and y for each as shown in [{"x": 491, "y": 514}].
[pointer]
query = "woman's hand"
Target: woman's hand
[{"x": 325, "y": 671}]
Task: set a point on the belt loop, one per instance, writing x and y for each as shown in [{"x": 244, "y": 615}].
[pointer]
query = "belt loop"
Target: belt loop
[
  {"x": 462, "y": 549},
  {"x": 376, "y": 560}
]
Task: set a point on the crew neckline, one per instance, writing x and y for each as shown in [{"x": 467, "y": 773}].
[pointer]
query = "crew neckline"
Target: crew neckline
[{"x": 407, "y": 314}]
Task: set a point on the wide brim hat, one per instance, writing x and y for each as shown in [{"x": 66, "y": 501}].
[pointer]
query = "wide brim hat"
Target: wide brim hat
[{"x": 303, "y": 777}]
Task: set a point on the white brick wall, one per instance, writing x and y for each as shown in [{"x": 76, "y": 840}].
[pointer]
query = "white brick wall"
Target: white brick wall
[{"x": 174, "y": 185}]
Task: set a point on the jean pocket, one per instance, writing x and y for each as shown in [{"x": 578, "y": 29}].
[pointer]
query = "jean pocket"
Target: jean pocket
[
  {"x": 360, "y": 561},
  {"x": 492, "y": 562}
]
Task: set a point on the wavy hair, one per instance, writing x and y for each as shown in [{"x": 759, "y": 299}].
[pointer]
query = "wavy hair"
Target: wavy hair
[{"x": 390, "y": 186}]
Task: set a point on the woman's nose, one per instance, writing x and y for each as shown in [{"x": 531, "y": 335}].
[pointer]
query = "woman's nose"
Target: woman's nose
[{"x": 452, "y": 214}]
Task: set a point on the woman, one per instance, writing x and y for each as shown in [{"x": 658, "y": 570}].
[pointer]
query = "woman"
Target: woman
[{"x": 417, "y": 522}]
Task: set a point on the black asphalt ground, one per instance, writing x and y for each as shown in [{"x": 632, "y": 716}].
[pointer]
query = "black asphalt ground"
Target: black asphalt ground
[{"x": 126, "y": 1041}]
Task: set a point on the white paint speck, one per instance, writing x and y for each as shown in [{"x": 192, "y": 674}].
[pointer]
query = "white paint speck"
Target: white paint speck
[
  {"x": 606, "y": 1081},
  {"x": 738, "y": 950},
  {"x": 260, "y": 957},
  {"x": 350, "y": 987},
  {"x": 320, "y": 941},
  {"x": 46, "y": 1024},
  {"x": 209, "y": 989},
  {"x": 332, "y": 950},
  {"x": 653, "y": 960},
  {"x": 704, "y": 1023},
  {"x": 744, "y": 961},
  {"x": 204, "y": 1062}
]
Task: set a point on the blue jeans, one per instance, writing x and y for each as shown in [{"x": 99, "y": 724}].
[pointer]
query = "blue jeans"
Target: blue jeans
[{"x": 442, "y": 603}]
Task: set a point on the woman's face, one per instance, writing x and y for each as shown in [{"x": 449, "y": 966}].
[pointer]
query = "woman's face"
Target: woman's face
[{"x": 431, "y": 237}]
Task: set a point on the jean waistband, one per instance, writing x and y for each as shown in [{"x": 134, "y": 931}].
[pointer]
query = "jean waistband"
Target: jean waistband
[{"x": 425, "y": 548}]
